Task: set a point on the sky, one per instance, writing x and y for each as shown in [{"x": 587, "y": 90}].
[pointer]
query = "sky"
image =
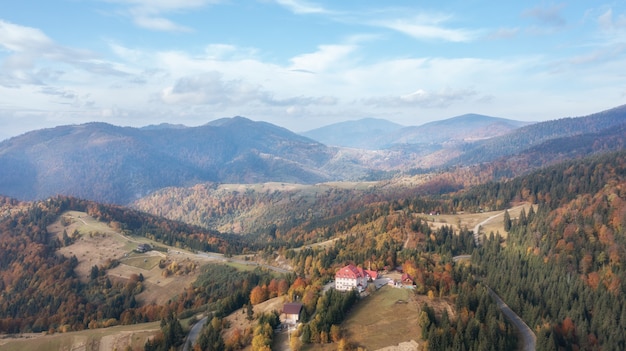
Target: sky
[{"x": 303, "y": 64}]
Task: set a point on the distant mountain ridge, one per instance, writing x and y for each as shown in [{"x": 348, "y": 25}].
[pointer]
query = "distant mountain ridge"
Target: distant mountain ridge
[
  {"x": 118, "y": 164},
  {"x": 533, "y": 135},
  {"x": 359, "y": 134},
  {"x": 377, "y": 134},
  {"x": 106, "y": 163}
]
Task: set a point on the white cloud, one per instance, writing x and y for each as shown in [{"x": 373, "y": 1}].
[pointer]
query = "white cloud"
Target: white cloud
[
  {"x": 426, "y": 99},
  {"x": 149, "y": 14},
  {"x": 34, "y": 58},
  {"x": 211, "y": 88},
  {"x": 160, "y": 24},
  {"x": 326, "y": 58},
  {"x": 429, "y": 27},
  {"x": 301, "y": 7}
]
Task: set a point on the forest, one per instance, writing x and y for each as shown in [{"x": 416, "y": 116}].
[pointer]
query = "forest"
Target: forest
[{"x": 559, "y": 265}]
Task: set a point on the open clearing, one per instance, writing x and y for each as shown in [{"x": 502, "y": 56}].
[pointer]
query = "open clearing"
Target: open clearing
[
  {"x": 471, "y": 220},
  {"x": 103, "y": 339},
  {"x": 385, "y": 318},
  {"x": 96, "y": 244}
]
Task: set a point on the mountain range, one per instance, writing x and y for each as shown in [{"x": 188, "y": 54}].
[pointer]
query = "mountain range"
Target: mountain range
[
  {"x": 375, "y": 134},
  {"x": 112, "y": 164}
]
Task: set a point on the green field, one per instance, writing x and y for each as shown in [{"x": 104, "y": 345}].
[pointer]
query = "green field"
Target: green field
[
  {"x": 142, "y": 261},
  {"x": 385, "y": 318}
]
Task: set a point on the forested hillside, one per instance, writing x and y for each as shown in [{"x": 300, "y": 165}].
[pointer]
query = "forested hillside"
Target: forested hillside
[
  {"x": 560, "y": 265},
  {"x": 562, "y": 268},
  {"x": 533, "y": 135},
  {"x": 41, "y": 291},
  {"x": 106, "y": 163}
]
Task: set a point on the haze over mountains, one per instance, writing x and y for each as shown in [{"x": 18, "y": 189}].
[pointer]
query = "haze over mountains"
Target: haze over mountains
[
  {"x": 113, "y": 164},
  {"x": 370, "y": 133}
]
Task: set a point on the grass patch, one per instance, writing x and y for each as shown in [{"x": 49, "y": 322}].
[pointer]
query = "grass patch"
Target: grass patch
[
  {"x": 385, "y": 318},
  {"x": 143, "y": 262},
  {"x": 242, "y": 266}
]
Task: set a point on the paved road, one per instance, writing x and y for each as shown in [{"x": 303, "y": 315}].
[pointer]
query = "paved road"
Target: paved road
[
  {"x": 529, "y": 339},
  {"x": 193, "y": 334}
]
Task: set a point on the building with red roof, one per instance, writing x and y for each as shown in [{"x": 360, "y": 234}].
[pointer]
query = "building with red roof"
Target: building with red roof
[
  {"x": 351, "y": 277},
  {"x": 373, "y": 275}
]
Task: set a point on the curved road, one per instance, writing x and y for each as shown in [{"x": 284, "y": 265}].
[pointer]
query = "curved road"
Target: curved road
[
  {"x": 477, "y": 227},
  {"x": 529, "y": 339},
  {"x": 193, "y": 334}
]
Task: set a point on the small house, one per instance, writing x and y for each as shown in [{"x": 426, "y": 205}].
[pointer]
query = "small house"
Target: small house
[
  {"x": 407, "y": 279},
  {"x": 141, "y": 248},
  {"x": 291, "y": 312}
]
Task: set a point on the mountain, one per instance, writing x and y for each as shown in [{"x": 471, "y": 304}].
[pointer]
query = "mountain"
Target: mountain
[
  {"x": 112, "y": 164},
  {"x": 465, "y": 128},
  {"x": 375, "y": 134},
  {"x": 103, "y": 162},
  {"x": 358, "y": 134},
  {"x": 533, "y": 135}
]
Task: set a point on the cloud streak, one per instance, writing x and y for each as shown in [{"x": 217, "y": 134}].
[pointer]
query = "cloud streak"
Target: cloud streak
[
  {"x": 150, "y": 14},
  {"x": 429, "y": 27},
  {"x": 426, "y": 99},
  {"x": 34, "y": 58},
  {"x": 302, "y": 7},
  {"x": 212, "y": 89}
]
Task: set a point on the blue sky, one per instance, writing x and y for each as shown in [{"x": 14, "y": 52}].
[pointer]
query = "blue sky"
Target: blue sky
[{"x": 304, "y": 64}]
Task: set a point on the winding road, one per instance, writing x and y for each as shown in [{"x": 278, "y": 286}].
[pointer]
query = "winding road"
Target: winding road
[
  {"x": 477, "y": 227},
  {"x": 529, "y": 339},
  {"x": 193, "y": 334}
]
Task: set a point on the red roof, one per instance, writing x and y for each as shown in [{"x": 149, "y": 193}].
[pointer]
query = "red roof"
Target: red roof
[
  {"x": 372, "y": 274},
  {"x": 292, "y": 308},
  {"x": 350, "y": 271}
]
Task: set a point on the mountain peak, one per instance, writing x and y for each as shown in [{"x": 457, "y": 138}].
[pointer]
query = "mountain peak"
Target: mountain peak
[{"x": 226, "y": 121}]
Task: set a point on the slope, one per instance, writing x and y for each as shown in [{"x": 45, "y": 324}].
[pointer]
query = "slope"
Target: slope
[{"x": 114, "y": 164}]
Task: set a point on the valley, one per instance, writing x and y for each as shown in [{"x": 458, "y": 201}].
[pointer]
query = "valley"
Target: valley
[{"x": 539, "y": 220}]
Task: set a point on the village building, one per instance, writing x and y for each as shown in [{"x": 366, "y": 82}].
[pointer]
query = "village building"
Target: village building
[
  {"x": 291, "y": 312},
  {"x": 351, "y": 277},
  {"x": 407, "y": 279},
  {"x": 372, "y": 275},
  {"x": 141, "y": 248}
]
